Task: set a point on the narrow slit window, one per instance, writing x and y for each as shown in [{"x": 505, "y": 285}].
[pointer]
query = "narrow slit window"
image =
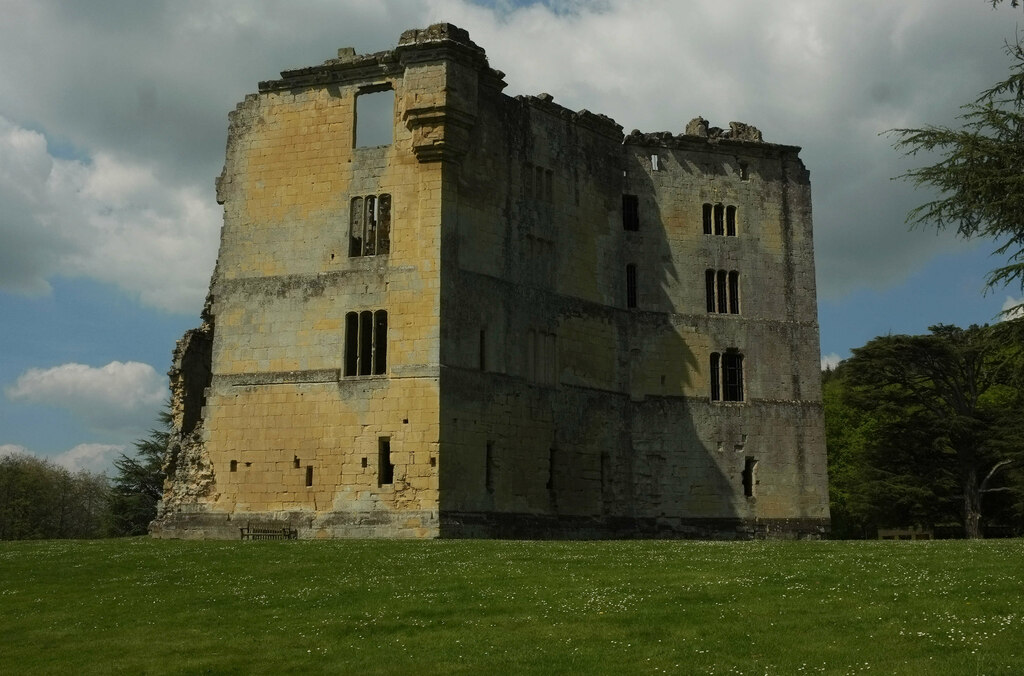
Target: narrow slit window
[
  {"x": 380, "y": 342},
  {"x": 654, "y": 163},
  {"x": 630, "y": 212},
  {"x": 355, "y": 247},
  {"x": 370, "y": 222},
  {"x": 489, "y": 467},
  {"x": 384, "y": 224},
  {"x": 309, "y": 475},
  {"x": 707, "y": 219},
  {"x": 351, "y": 344},
  {"x": 483, "y": 349},
  {"x": 631, "y": 285},
  {"x": 716, "y": 392},
  {"x": 365, "y": 342},
  {"x": 719, "y": 219},
  {"x": 734, "y": 292},
  {"x": 234, "y": 466},
  {"x": 723, "y": 302},
  {"x": 550, "y": 354},
  {"x": 709, "y": 283},
  {"x": 375, "y": 118},
  {"x": 749, "y": 476},
  {"x": 385, "y": 468},
  {"x": 730, "y": 221}
]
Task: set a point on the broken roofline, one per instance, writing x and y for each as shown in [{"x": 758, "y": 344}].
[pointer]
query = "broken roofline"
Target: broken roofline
[{"x": 445, "y": 40}]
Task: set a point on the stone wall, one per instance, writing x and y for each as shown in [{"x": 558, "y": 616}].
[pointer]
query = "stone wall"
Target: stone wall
[{"x": 566, "y": 409}]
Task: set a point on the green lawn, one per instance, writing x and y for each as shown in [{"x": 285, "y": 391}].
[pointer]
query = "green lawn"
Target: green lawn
[{"x": 497, "y": 607}]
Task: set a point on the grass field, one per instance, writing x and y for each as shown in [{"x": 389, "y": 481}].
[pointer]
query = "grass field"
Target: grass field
[{"x": 497, "y": 607}]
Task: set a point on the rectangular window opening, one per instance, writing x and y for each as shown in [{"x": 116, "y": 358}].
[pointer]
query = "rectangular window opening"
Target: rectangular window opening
[
  {"x": 749, "y": 476},
  {"x": 234, "y": 466},
  {"x": 375, "y": 118},
  {"x": 654, "y": 163},
  {"x": 309, "y": 475},
  {"x": 719, "y": 219},
  {"x": 370, "y": 225},
  {"x": 730, "y": 221},
  {"x": 631, "y": 285},
  {"x": 630, "y": 212},
  {"x": 707, "y": 219},
  {"x": 385, "y": 469},
  {"x": 366, "y": 343},
  {"x": 732, "y": 376}
]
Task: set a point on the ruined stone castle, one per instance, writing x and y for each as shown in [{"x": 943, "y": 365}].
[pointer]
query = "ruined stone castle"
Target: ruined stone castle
[{"x": 503, "y": 318}]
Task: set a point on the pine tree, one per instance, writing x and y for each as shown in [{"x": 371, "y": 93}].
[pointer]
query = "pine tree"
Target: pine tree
[
  {"x": 139, "y": 483},
  {"x": 980, "y": 178}
]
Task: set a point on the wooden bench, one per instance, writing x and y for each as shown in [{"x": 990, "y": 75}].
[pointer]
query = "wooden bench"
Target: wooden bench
[{"x": 268, "y": 532}]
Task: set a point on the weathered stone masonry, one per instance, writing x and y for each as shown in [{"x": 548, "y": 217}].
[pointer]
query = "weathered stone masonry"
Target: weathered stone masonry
[{"x": 512, "y": 320}]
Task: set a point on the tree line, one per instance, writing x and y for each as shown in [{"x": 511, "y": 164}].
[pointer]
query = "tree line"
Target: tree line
[
  {"x": 40, "y": 499},
  {"x": 928, "y": 431}
]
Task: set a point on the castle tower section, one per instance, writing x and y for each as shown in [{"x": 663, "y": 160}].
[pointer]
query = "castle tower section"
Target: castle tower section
[{"x": 321, "y": 406}]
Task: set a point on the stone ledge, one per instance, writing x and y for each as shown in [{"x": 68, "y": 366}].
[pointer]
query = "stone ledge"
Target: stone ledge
[
  {"x": 541, "y": 526},
  {"x": 310, "y": 525}
]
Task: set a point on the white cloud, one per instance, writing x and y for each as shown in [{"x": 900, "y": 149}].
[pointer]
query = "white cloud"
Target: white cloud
[
  {"x": 13, "y": 449},
  {"x": 830, "y": 361},
  {"x": 96, "y": 458},
  {"x": 121, "y": 396},
  {"x": 108, "y": 220},
  {"x": 1013, "y": 308},
  {"x": 91, "y": 457}
]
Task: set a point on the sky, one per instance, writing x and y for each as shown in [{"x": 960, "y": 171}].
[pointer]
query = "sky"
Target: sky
[{"x": 113, "y": 123}]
